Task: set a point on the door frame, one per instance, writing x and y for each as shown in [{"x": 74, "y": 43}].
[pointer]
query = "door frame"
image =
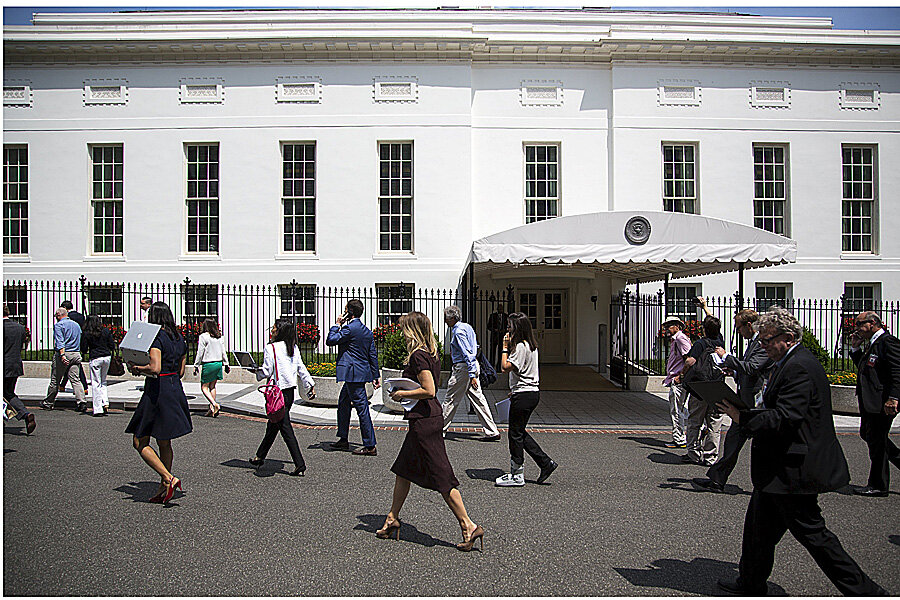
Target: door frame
[{"x": 569, "y": 289}]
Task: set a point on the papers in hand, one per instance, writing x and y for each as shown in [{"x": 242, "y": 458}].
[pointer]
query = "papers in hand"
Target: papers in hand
[{"x": 402, "y": 383}]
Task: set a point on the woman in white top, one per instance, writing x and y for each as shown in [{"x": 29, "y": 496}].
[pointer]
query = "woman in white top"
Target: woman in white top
[
  {"x": 283, "y": 356},
  {"x": 211, "y": 357},
  {"x": 522, "y": 365}
]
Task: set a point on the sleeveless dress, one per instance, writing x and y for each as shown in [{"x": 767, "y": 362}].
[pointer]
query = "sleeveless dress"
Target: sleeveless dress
[
  {"x": 423, "y": 457},
  {"x": 163, "y": 411}
]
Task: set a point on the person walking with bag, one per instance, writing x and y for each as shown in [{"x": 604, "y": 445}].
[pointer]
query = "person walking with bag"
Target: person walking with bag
[
  {"x": 97, "y": 342},
  {"x": 522, "y": 365},
  {"x": 283, "y": 364},
  {"x": 423, "y": 457},
  {"x": 162, "y": 412},
  {"x": 211, "y": 358}
]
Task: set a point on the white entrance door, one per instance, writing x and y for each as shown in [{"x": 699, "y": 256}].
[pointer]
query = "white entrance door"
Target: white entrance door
[{"x": 548, "y": 312}]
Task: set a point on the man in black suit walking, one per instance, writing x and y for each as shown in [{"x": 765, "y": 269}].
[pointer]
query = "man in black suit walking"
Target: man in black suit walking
[
  {"x": 749, "y": 372},
  {"x": 13, "y": 342},
  {"x": 795, "y": 456},
  {"x": 877, "y": 390}
]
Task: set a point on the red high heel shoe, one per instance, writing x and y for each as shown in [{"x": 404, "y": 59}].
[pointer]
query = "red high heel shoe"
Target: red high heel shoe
[{"x": 173, "y": 484}]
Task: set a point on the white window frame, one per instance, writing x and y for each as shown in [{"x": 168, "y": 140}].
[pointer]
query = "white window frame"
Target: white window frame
[
  {"x": 15, "y": 304},
  {"x": 763, "y": 302},
  {"x": 12, "y": 99},
  {"x": 18, "y": 201},
  {"x": 185, "y": 84},
  {"x": 379, "y": 315},
  {"x": 195, "y": 290},
  {"x": 852, "y": 305},
  {"x": 308, "y": 289},
  {"x": 382, "y": 83},
  {"x": 188, "y": 200},
  {"x": 663, "y": 100},
  {"x": 863, "y": 86},
  {"x": 690, "y": 312},
  {"x": 294, "y": 198},
  {"x": 284, "y": 83},
  {"x": 558, "y": 180},
  {"x": 873, "y": 202},
  {"x": 785, "y": 216},
  {"x": 94, "y": 200},
  {"x": 412, "y": 201},
  {"x": 696, "y": 178},
  {"x": 91, "y": 86},
  {"x": 97, "y": 306},
  {"x": 756, "y": 86},
  {"x": 549, "y": 84}
]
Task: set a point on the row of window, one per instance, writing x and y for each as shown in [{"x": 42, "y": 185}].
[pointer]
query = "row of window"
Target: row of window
[{"x": 542, "y": 193}]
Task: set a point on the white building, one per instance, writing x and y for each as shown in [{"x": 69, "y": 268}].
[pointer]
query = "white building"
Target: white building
[{"x": 372, "y": 147}]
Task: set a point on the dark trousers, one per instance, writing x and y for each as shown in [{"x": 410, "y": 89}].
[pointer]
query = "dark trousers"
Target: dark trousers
[
  {"x": 734, "y": 441},
  {"x": 521, "y": 405},
  {"x": 355, "y": 394},
  {"x": 287, "y": 432},
  {"x": 874, "y": 429},
  {"x": 9, "y": 394},
  {"x": 770, "y": 515}
]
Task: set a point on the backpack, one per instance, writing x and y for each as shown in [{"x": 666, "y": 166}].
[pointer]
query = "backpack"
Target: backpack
[
  {"x": 273, "y": 395},
  {"x": 487, "y": 373},
  {"x": 705, "y": 368}
]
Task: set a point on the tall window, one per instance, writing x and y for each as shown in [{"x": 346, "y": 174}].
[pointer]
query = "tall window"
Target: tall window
[
  {"x": 529, "y": 307},
  {"x": 299, "y": 197},
  {"x": 395, "y": 196},
  {"x": 770, "y": 190},
  {"x": 394, "y": 301},
  {"x": 107, "y": 179},
  {"x": 106, "y": 303},
  {"x": 200, "y": 302},
  {"x": 298, "y": 302},
  {"x": 541, "y": 182},
  {"x": 16, "y": 300},
  {"x": 202, "y": 197},
  {"x": 860, "y": 296},
  {"x": 859, "y": 193},
  {"x": 680, "y": 302},
  {"x": 15, "y": 200},
  {"x": 772, "y": 294},
  {"x": 680, "y": 178}
]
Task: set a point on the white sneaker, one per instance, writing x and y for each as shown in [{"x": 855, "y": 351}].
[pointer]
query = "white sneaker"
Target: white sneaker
[{"x": 510, "y": 480}]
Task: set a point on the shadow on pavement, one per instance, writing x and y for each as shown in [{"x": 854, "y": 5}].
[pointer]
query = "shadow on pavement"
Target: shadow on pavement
[
  {"x": 894, "y": 539},
  {"x": 698, "y": 576},
  {"x": 265, "y": 470},
  {"x": 325, "y": 446},
  {"x": 15, "y": 430},
  {"x": 7, "y": 450},
  {"x": 138, "y": 491},
  {"x": 666, "y": 458},
  {"x": 686, "y": 485},
  {"x": 484, "y": 474},
  {"x": 649, "y": 441},
  {"x": 408, "y": 533}
]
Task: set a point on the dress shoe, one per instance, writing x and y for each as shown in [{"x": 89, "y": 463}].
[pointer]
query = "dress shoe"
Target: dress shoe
[
  {"x": 257, "y": 462},
  {"x": 340, "y": 445},
  {"x": 545, "y": 471},
  {"x": 489, "y": 438},
  {"x": 870, "y": 492},
  {"x": 686, "y": 459},
  {"x": 737, "y": 588},
  {"x": 99, "y": 414},
  {"x": 675, "y": 445},
  {"x": 298, "y": 472},
  {"x": 29, "y": 423},
  {"x": 47, "y": 405},
  {"x": 82, "y": 407},
  {"x": 366, "y": 451},
  {"x": 708, "y": 485}
]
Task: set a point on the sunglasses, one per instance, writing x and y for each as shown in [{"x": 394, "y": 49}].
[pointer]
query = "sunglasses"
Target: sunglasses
[
  {"x": 861, "y": 323},
  {"x": 767, "y": 340}
]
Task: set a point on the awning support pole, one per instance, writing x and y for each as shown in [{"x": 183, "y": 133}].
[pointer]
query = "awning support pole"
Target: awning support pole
[
  {"x": 666, "y": 295},
  {"x": 739, "y": 343},
  {"x": 470, "y": 318}
]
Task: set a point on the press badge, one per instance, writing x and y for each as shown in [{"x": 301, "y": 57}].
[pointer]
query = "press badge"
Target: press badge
[{"x": 872, "y": 359}]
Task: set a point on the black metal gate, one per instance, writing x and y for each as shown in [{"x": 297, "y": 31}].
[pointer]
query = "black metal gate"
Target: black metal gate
[{"x": 618, "y": 339}]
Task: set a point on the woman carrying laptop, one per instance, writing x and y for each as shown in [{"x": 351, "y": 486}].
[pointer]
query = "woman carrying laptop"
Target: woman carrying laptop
[{"x": 162, "y": 412}]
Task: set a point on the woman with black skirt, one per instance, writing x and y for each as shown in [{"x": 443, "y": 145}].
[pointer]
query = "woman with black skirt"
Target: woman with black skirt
[
  {"x": 162, "y": 412},
  {"x": 423, "y": 458}
]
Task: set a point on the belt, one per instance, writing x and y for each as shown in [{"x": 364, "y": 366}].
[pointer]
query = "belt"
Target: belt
[{"x": 167, "y": 374}]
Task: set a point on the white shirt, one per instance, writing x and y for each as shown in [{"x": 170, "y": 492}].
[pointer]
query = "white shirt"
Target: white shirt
[
  {"x": 525, "y": 378},
  {"x": 210, "y": 349},
  {"x": 144, "y": 314},
  {"x": 289, "y": 368}
]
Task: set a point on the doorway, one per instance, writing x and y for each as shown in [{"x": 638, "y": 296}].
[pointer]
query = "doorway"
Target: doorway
[{"x": 548, "y": 311}]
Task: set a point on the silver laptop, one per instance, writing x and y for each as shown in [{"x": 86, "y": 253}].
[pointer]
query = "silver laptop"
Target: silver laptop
[
  {"x": 135, "y": 346},
  {"x": 244, "y": 359}
]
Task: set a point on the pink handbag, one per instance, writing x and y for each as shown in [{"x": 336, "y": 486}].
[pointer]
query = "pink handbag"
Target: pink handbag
[{"x": 272, "y": 393}]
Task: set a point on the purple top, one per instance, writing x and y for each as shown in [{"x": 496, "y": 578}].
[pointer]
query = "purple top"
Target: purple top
[{"x": 678, "y": 349}]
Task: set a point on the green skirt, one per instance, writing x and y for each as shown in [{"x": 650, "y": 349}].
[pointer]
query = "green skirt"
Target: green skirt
[{"x": 212, "y": 371}]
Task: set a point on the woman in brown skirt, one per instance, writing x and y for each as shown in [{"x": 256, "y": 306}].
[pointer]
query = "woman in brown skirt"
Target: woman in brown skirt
[{"x": 423, "y": 458}]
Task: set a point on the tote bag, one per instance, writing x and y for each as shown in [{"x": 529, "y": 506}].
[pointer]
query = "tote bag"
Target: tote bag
[{"x": 272, "y": 393}]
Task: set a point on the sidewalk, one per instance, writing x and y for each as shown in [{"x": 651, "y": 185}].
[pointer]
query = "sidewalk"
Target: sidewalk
[{"x": 562, "y": 410}]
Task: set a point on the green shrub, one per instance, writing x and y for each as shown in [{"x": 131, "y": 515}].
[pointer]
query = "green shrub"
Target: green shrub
[
  {"x": 392, "y": 350},
  {"x": 813, "y": 345}
]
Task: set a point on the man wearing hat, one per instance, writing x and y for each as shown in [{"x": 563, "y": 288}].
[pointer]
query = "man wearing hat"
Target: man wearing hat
[{"x": 679, "y": 346}]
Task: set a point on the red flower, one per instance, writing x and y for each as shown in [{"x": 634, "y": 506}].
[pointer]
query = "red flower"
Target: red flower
[
  {"x": 307, "y": 333},
  {"x": 382, "y": 331}
]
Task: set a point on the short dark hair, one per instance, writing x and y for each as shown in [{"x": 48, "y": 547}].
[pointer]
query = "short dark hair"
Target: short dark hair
[
  {"x": 66, "y": 305},
  {"x": 148, "y": 299},
  {"x": 5, "y": 310},
  {"x": 712, "y": 327},
  {"x": 355, "y": 307}
]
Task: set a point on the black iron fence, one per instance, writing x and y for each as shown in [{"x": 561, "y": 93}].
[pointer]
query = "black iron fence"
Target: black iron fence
[
  {"x": 246, "y": 313},
  {"x": 638, "y": 345}
]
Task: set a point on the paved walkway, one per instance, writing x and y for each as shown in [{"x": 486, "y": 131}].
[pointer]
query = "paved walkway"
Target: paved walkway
[{"x": 557, "y": 410}]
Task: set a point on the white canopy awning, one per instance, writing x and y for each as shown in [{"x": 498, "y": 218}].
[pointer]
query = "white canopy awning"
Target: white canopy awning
[{"x": 679, "y": 244}]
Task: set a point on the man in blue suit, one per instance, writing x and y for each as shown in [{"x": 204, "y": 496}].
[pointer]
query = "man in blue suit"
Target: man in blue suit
[{"x": 357, "y": 364}]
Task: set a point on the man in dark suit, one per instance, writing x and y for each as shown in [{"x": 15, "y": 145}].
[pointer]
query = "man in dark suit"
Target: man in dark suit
[
  {"x": 13, "y": 342},
  {"x": 357, "y": 364},
  {"x": 877, "y": 390},
  {"x": 749, "y": 372},
  {"x": 795, "y": 456}
]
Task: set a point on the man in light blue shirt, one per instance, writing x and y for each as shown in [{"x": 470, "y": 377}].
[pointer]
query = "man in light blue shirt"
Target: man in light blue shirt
[
  {"x": 66, "y": 353},
  {"x": 463, "y": 380}
]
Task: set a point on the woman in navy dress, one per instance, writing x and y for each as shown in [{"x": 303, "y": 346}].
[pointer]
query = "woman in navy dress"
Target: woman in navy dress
[
  {"x": 163, "y": 410},
  {"x": 423, "y": 458}
]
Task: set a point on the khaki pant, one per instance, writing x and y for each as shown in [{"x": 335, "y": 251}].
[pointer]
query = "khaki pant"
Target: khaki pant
[
  {"x": 58, "y": 370},
  {"x": 704, "y": 431},
  {"x": 457, "y": 388},
  {"x": 678, "y": 396}
]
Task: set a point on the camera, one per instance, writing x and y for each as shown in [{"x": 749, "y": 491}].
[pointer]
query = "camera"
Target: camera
[{"x": 696, "y": 301}]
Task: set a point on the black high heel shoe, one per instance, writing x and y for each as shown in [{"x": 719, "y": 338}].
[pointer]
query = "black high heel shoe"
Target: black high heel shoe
[
  {"x": 386, "y": 531},
  {"x": 466, "y": 545},
  {"x": 256, "y": 462},
  {"x": 298, "y": 472}
]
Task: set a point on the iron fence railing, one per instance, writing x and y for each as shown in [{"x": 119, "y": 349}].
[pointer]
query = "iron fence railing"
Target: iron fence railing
[
  {"x": 245, "y": 313},
  {"x": 638, "y": 345}
]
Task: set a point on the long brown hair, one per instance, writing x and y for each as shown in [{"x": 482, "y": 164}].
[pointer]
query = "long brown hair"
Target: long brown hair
[
  {"x": 521, "y": 331},
  {"x": 211, "y": 327},
  {"x": 416, "y": 328}
]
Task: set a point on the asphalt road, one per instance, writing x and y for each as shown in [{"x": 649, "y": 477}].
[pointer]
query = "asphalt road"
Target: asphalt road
[{"x": 617, "y": 518}]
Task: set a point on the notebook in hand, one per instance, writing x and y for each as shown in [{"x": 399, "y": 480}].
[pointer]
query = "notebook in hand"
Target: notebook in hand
[{"x": 715, "y": 391}]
